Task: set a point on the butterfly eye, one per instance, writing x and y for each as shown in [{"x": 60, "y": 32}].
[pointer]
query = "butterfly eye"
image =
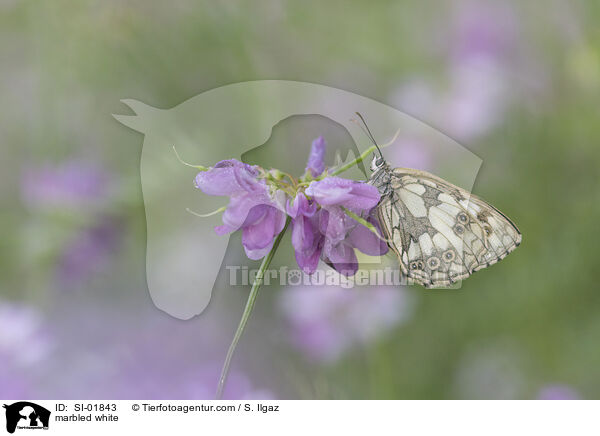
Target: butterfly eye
[
  {"x": 378, "y": 162},
  {"x": 433, "y": 263},
  {"x": 459, "y": 229},
  {"x": 416, "y": 265},
  {"x": 463, "y": 218},
  {"x": 449, "y": 255}
]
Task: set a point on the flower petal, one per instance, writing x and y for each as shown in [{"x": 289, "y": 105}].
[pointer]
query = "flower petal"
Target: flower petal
[
  {"x": 365, "y": 240},
  {"x": 341, "y": 257},
  {"x": 309, "y": 260},
  {"x": 300, "y": 206},
  {"x": 316, "y": 159},
  {"x": 229, "y": 177},
  {"x": 335, "y": 191},
  {"x": 303, "y": 233},
  {"x": 307, "y": 242},
  {"x": 258, "y": 253},
  {"x": 257, "y": 238},
  {"x": 335, "y": 224},
  {"x": 236, "y": 213}
]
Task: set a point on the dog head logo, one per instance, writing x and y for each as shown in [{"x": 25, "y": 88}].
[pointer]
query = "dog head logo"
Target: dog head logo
[{"x": 26, "y": 415}]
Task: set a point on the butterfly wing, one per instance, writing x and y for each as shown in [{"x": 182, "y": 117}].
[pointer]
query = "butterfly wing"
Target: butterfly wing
[{"x": 440, "y": 232}]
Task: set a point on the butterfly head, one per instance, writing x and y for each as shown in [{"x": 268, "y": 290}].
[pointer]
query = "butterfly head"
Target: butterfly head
[{"x": 377, "y": 163}]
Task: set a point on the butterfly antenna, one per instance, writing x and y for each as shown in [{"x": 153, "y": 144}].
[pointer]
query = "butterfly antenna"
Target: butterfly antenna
[{"x": 369, "y": 134}]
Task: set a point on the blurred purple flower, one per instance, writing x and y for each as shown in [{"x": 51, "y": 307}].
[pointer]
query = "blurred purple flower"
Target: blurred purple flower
[
  {"x": 251, "y": 207},
  {"x": 475, "y": 102},
  {"x": 25, "y": 345},
  {"x": 471, "y": 105},
  {"x": 316, "y": 159},
  {"x": 23, "y": 338},
  {"x": 137, "y": 378},
  {"x": 239, "y": 386},
  {"x": 139, "y": 354},
  {"x": 82, "y": 186},
  {"x": 88, "y": 251},
  {"x": 14, "y": 384},
  {"x": 415, "y": 96},
  {"x": 484, "y": 39},
  {"x": 484, "y": 30},
  {"x": 67, "y": 185},
  {"x": 558, "y": 392},
  {"x": 326, "y": 322},
  {"x": 411, "y": 153}
]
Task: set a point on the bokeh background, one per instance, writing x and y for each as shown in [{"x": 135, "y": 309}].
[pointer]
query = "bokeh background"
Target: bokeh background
[{"x": 517, "y": 83}]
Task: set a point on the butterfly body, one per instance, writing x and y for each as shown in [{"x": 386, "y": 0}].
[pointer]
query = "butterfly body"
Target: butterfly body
[{"x": 440, "y": 232}]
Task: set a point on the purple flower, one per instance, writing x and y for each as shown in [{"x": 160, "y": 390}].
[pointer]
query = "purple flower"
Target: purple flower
[
  {"x": 251, "y": 207},
  {"x": 413, "y": 153},
  {"x": 325, "y": 322},
  {"x": 260, "y": 228},
  {"x": 484, "y": 31},
  {"x": 475, "y": 102},
  {"x": 335, "y": 191},
  {"x": 322, "y": 228},
  {"x": 137, "y": 355},
  {"x": 201, "y": 386},
  {"x": 89, "y": 251},
  {"x": 22, "y": 338},
  {"x": 301, "y": 206},
  {"x": 340, "y": 234},
  {"x": 72, "y": 183},
  {"x": 15, "y": 384},
  {"x": 306, "y": 239},
  {"x": 483, "y": 44},
  {"x": 365, "y": 240},
  {"x": 329, "y": 233},
  {"x": 316, "y": 159}
]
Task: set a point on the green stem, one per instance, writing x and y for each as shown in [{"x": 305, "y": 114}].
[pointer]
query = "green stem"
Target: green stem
[
  {"x": 350, "y": 164},
  {"x": 199, "y": 167},
  {"x": 362, "y": 157},
  {"x": 206, "y": 215},
  {"x": 364, "y": 222},
  {"x": 248, "y": 310}
]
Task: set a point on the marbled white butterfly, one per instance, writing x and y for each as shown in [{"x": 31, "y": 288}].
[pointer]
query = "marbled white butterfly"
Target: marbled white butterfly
[{"x": 441, "y": 233}]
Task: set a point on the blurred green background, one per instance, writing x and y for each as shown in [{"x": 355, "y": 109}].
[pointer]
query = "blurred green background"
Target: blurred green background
[{"x": 516, "y": 83}]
